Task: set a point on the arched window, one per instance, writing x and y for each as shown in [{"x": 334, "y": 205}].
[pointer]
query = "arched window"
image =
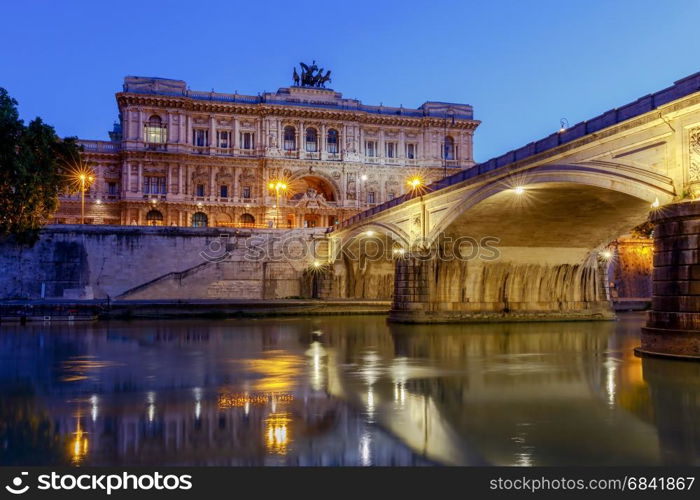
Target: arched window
[
  {"x": 154, "y": 131},
  {"x": 290, "y": 142},
  {"x": 332, "y": 141},
  {"x": 311, "y": 140},
  {"x": 154, "y": 218},
  {"x": 247, "y": 220},
  {"x": 199, "y": 219},
  {"x": 448, "y": 148}
]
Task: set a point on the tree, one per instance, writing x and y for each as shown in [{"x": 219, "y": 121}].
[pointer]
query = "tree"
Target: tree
[{"x": 33, "y": 161}]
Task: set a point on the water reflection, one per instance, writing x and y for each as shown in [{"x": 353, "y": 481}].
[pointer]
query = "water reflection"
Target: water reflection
[{"x": 327, "y": 391}]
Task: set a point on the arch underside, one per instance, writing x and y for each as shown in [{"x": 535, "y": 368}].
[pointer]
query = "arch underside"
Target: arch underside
[{"x": 543, "y": 261}]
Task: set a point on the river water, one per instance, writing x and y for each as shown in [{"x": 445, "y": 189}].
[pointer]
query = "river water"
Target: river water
[{"x": 352, "y": 390}]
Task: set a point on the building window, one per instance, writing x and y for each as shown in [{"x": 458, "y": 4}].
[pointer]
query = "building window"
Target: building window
[
  {"x": 290, "y": 141},
  {"x": 199, "y": 219},
  {"x": 370, "y": 197},
  {"x": 411, "y": 151},
  {"x": 223, "y": 191},
  {"x": 332, "y": 141},
  {"x": 311, "y": 140},
  {"x": 371, "y": 148},
  {"x": 112, "y": 188},
  {"x": 200, "y": 137},
  {"x": 154, "y": 131},
  {"x": 448, "y": 148},
  {"x": 246, "y": 192},
  {"x": 390, "y": 149},
  {"x": 153, "y": 185},
  {"x": 247, "y": 140},
  {"x": 224, "y": 139},
  {"x": 199, "y": 190},
  {"x": 154, "y": 218},
  {"x": 247, "y": 220}
]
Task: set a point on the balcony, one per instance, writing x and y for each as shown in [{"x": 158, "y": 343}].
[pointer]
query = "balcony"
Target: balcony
[{"x": 100, "y": 146}]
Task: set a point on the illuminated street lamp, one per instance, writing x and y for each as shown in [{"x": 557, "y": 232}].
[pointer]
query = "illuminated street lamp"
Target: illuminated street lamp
[
  {"x": 278, "y": 187},
  {"x": 84, "y": 178},
  {"x": 414, "y": 182}
]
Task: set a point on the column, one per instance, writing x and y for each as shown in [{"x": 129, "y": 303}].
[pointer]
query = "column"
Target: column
[{"x": 673, "y": 325}]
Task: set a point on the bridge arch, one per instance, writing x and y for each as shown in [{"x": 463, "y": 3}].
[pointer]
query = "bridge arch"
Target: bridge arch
[
  {"x": 630, "y": 183},
  {"x": 363, "y": 260}
]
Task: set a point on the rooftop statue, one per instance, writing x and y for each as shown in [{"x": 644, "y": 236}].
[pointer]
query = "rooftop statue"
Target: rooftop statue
[{"x": 311, "y": 76}]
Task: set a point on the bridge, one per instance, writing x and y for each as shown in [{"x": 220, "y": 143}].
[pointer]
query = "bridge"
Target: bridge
[{"x": 524, "y": 236}]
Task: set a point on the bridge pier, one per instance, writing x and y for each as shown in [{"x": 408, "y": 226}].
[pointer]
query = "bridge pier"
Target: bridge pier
[
  {"x": 434, "y": 290},
  {"x": 673, "y": 325}
]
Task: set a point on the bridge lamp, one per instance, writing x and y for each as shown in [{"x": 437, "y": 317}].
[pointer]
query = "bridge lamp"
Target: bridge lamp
[
  {"x": 519, "y": 190},
  {"x": 414, "y": 182},
  {"x": 363, "y": 177},
  {"x": 316, "y": 264},
  {"x": 369, "y": 233},
  {"x": 606, "y": 254},
  {"x": 399, "y": 251},
  {"x": 655, "y": 204}
]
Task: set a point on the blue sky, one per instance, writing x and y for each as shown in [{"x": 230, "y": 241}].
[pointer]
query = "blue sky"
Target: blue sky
[{"x": 523, "y": 65}]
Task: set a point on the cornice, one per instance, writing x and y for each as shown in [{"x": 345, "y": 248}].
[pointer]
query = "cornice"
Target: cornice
[{"x": 288, "y": 111}]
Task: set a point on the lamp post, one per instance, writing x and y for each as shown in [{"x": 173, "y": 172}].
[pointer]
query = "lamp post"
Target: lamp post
[
  {"x": 278, "y": 187},
  {"x": 84, "y": 180}
]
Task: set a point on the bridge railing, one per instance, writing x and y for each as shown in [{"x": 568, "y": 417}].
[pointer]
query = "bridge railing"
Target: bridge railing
[{"x": 679, "y": 89}]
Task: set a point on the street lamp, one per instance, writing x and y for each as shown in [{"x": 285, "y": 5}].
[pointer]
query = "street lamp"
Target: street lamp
[
  {"x": 85, "y": 178},
  {"x": 278, "y": 187},
  {"x": 414, "y": 182}
]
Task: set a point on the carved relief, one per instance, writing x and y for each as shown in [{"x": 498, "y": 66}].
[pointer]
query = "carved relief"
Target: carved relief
[
  {"x": 350, "y": 187},
  {"x": 694, "y": 170}
]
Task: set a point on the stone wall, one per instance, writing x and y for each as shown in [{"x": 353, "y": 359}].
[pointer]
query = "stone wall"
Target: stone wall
[
  {"x": 84, "y": 262},
  {"x": 630, "y": 270}
]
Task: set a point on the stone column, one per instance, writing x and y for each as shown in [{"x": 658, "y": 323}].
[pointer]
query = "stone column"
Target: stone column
[
  {"x": 673, "y": 325},
  {"x": 411, "y": 289}
]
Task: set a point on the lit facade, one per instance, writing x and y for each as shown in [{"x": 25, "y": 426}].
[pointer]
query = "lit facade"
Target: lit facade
[{"x": 298, "y": 157}]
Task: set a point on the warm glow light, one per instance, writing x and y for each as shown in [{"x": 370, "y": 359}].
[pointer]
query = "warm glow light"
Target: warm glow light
[
  {"x": 98, "y": 201},
  {"x": 363, "y": 177},
  {"x": 606, "y": 254},
  {"x": 317, "y": 264},
  {"x": 415, "y": 182},
  {"x": 519, "y": 190},
  {"x": 369, "y": 233},
  {"x": 277, "y": 435},
  {"x": 655, "y": 204},
  {"x": 271, "y": 185}
]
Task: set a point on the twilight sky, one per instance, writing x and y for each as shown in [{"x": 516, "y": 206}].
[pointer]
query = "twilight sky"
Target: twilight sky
[{"x": 523, "y": 65}]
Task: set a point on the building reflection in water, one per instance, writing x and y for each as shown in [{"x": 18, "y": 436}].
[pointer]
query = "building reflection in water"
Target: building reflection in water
[{"x": 325, "y": 391}]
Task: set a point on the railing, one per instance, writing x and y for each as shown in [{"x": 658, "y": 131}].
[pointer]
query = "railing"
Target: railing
[{"x": 100, "y": 146}]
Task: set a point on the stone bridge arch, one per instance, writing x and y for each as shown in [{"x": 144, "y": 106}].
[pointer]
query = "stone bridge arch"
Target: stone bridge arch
[
  {"x": 535, "y": 241},
  {"x": 361, "y": 260},
  {"x": 641, "y": 184}
]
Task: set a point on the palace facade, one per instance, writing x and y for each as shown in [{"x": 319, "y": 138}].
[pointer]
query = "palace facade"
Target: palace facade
[{"x": 298, "y": 157}]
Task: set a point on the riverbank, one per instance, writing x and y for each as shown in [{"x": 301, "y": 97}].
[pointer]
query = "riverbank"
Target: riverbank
[{"x": 73, "y": 310}]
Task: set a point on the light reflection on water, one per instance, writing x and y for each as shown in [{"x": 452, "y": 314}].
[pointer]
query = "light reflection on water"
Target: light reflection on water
[{"x": 330, "y": 391}]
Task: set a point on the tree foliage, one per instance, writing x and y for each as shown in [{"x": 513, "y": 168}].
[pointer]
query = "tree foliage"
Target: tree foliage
[{"x": 33, "y": 162}]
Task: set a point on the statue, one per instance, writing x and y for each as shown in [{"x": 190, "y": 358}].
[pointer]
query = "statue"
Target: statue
[{"x": 311, "y": 76}]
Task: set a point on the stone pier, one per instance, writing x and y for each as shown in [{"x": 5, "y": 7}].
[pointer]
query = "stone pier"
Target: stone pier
[
  {"x": 673, "y": 326},
  {"x": 433, "y": 290}
]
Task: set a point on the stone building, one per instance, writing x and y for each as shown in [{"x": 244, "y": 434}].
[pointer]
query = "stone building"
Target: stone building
[{"x": 299, "y": 157}]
